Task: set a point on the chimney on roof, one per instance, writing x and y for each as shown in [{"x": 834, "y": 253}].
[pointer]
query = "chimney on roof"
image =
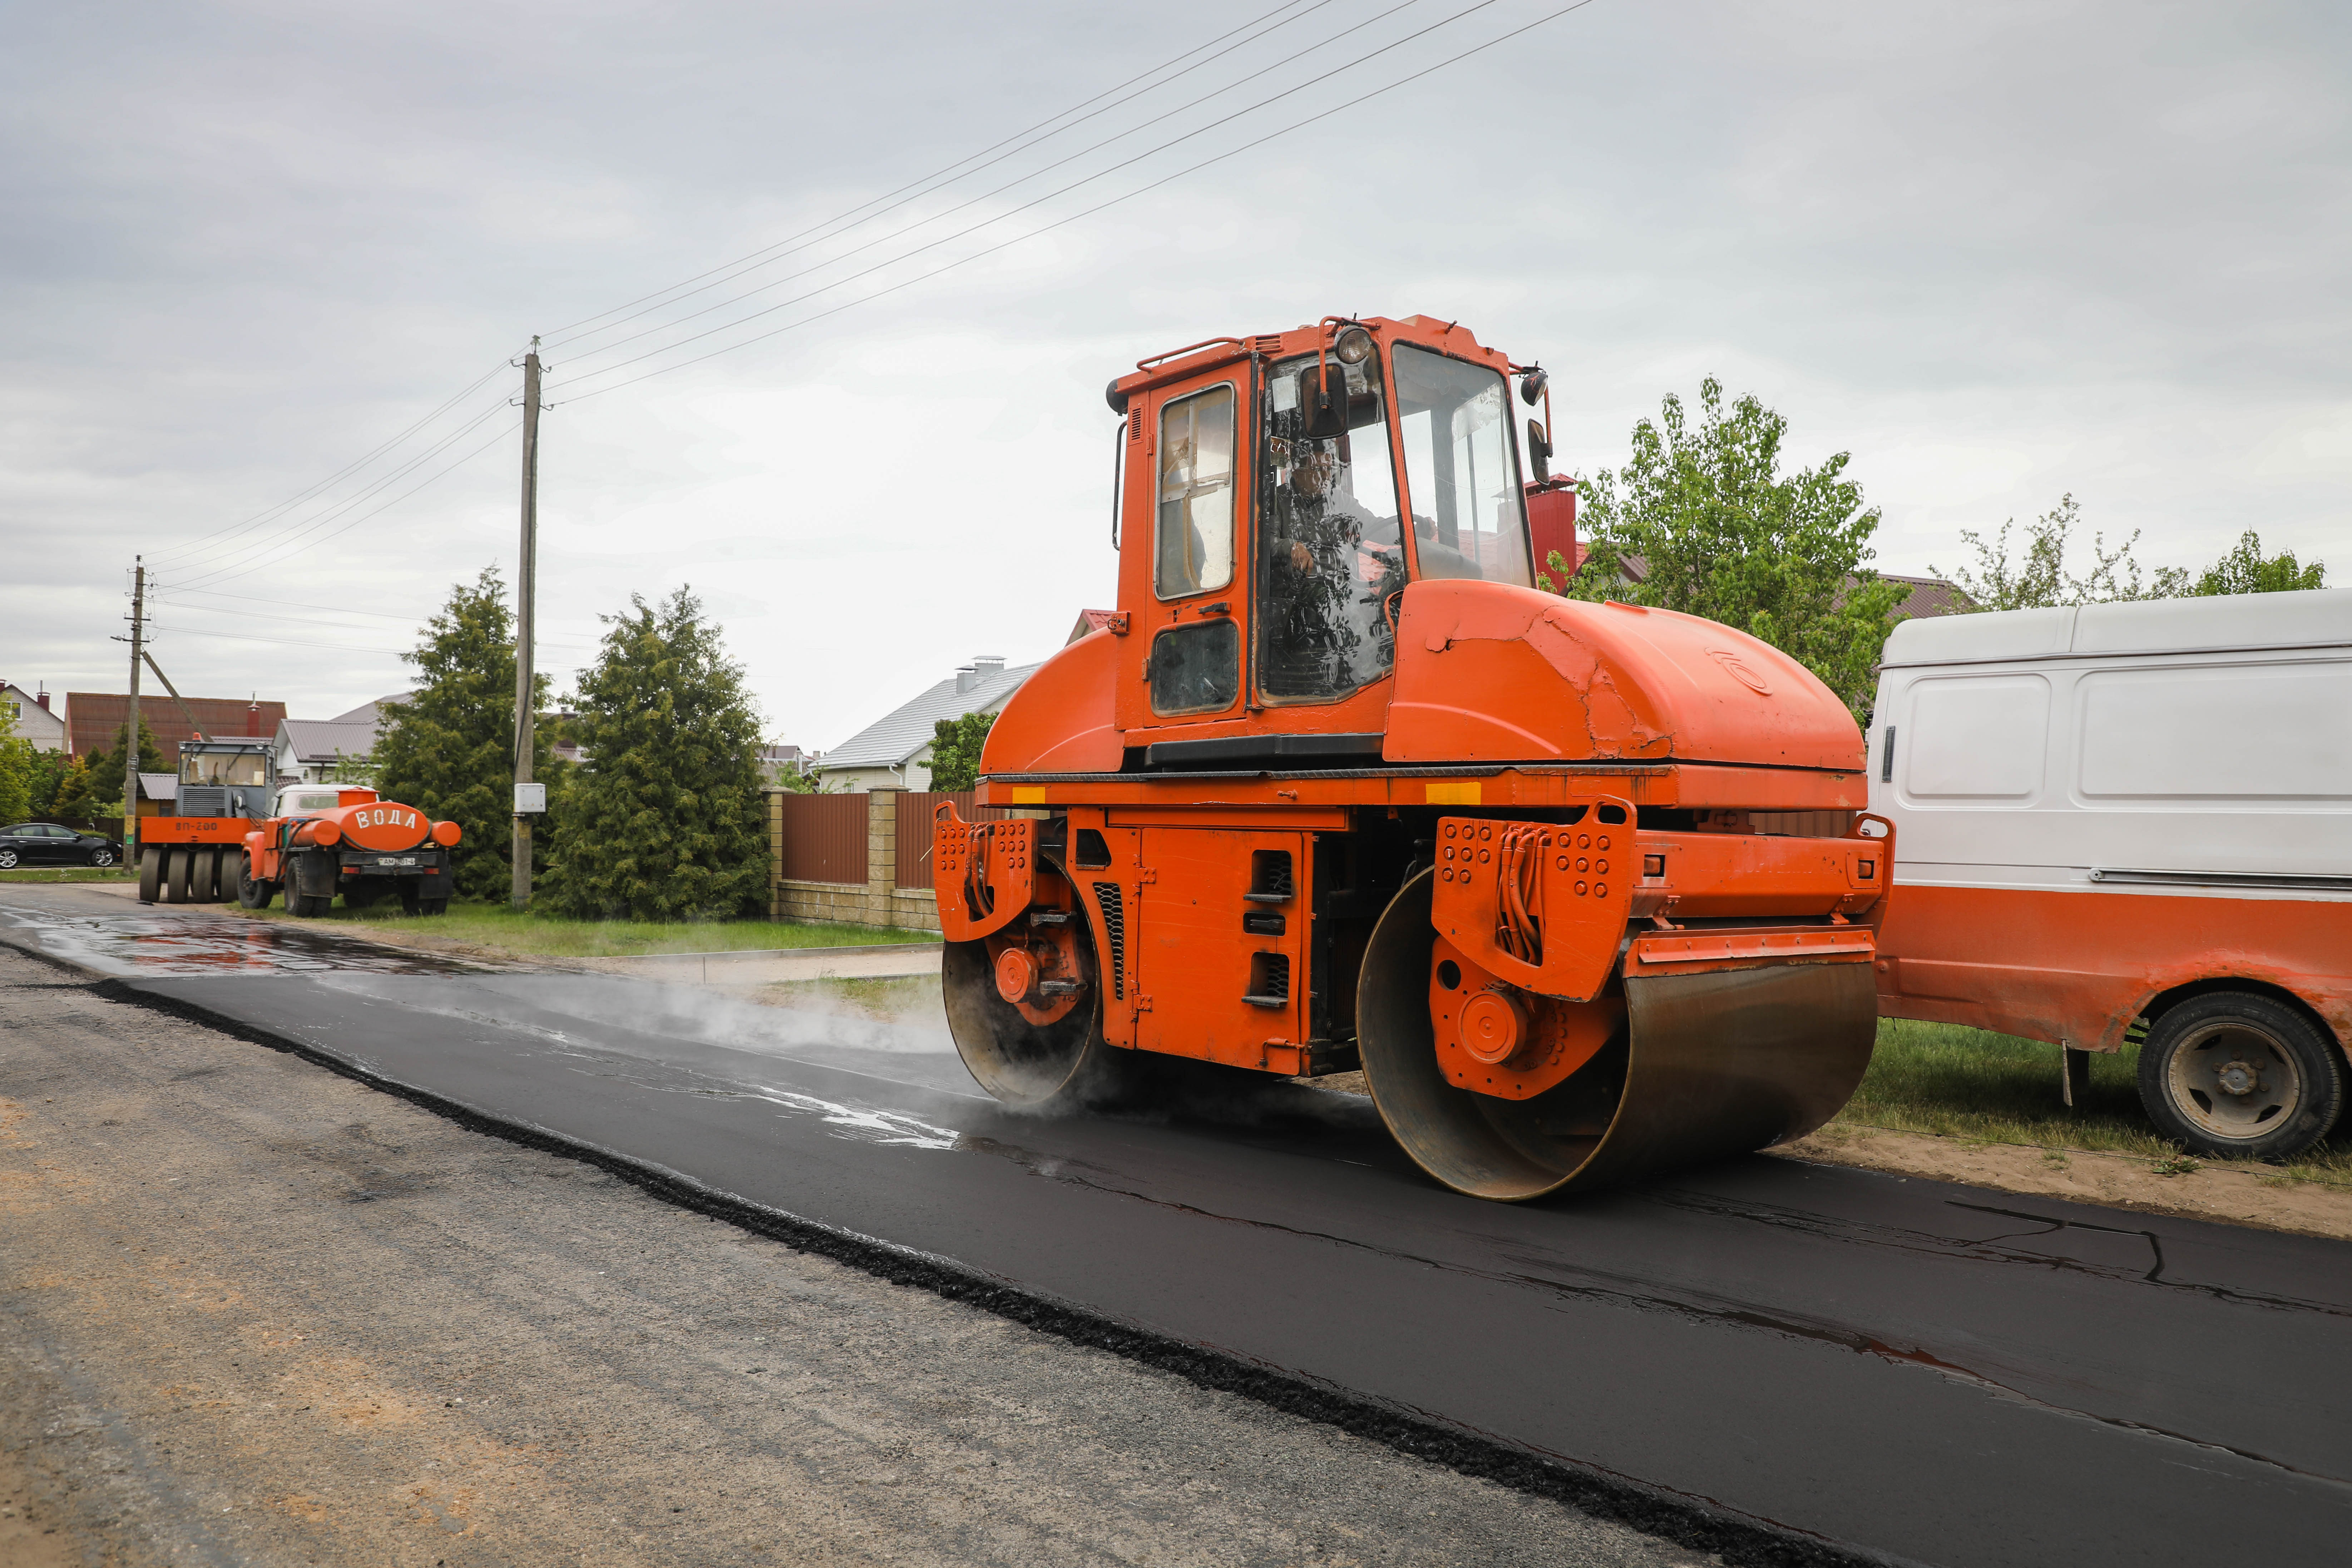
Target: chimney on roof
[
  {"x": 987, "y": 665},
  {"x": 42, "y": 697},
  {"x": 253, "y": 717},
  {"x": 965, "y": 679}
]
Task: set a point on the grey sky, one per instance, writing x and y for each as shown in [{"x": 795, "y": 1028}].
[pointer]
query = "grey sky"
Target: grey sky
[{"x": 1998, "y": 252}]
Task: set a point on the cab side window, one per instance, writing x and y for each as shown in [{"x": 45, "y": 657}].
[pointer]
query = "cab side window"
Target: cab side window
[{"x": 1194, "y": 550}]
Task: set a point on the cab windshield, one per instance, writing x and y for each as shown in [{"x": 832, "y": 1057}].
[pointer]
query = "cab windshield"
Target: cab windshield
[
  {"x": 1461, "y": 469},
  {"x": 224, "y": 768}
]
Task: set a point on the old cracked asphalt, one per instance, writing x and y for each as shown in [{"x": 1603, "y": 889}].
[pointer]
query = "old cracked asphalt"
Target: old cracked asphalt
[{"x": 254, "y": 1313}]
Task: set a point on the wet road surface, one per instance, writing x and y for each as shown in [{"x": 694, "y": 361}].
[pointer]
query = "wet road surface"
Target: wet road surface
[{"x": 1928, "y": 1372}]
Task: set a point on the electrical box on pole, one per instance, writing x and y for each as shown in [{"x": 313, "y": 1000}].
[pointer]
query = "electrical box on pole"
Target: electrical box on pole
[{"x": 526, "y": 602}]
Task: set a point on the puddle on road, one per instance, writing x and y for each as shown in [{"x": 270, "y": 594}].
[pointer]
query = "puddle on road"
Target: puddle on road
[{"x": 150, "y": 943}]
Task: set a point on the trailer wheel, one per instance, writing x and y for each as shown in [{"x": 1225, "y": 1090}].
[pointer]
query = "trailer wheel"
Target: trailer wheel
[
  {"x": 2231, "y": 1073},
  {"x": 151, "y": 873},
  {"x": 252, "y": 894}
]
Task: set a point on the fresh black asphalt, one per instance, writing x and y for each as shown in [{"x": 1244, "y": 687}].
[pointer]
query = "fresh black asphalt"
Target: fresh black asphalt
[{"x": 1882, "y": 1366}]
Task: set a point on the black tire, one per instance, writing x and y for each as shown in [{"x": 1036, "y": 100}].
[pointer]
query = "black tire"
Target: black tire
[
  {"x": 362, "y": 892},
  {"x": 307, "y": 907},
  {"x": 411, "y": 900},
  {"x": 175, "y": 876},
  {"x": 252, "y": 894},
  {"x": 433, "y": 906},
  {"x": 7, "y": 858},
  {"x": 102, "y": 857},
  {"x": 2232, "y": 1074},
  {"x": 151, "y": 874},
  {"x": 203, "y": 876}
]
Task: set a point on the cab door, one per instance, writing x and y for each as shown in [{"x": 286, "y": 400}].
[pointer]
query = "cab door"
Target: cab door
[{"x": 1184, "y": 538}]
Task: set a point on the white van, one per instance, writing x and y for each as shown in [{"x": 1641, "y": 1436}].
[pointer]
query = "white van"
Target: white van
[{"x": 2127, "y": 817}]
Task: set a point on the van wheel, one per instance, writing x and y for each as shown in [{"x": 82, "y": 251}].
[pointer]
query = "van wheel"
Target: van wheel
[{"x": 2234, "y": 1074}]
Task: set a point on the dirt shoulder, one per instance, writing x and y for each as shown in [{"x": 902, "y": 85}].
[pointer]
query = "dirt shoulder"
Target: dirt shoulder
[
  {"x": 2231, "y": 1193},
  {"x": 254, "y": 1313}
]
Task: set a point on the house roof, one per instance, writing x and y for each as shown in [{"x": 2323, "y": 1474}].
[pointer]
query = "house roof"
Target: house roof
[
  {"x": 1930, "y": 598},
  {"x": 370, "y": 712},
  {"x": 92, "y": 718},
  {"x": 324, "y": 740},
  {"x": 895, "y": 739},
  {"x": 160, "y": 787},
  {"x": 1090, "y": 622}
]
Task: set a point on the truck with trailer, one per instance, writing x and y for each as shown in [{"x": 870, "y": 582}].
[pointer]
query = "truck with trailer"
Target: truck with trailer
[
  {"x": 1337, "y": 786},
  {"x": 2132, "y": 823}
]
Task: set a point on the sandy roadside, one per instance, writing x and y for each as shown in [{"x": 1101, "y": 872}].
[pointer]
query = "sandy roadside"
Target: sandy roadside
[{"x": 253, "y": 1312}]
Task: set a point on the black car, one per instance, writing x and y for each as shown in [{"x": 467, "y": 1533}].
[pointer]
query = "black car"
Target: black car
[{"x": 47, "y": 843}]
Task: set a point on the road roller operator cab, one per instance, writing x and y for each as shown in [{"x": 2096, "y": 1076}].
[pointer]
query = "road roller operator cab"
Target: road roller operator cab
[{"x": 1339, "y": 787}]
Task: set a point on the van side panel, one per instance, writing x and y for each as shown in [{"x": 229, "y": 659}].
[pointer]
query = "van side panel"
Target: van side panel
[
  {"x": 2094, "y": 806},
  {"x": 2075, "y": 968}
]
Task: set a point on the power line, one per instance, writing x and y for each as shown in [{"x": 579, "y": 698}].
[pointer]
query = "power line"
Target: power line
[
  {"x": 259, "y": 555},
  {"x": 1047, "y": 169},
  {"x": 296, "y": 499},
  {"x": 305, "y": 620},
  {"x": 1058, "y": 223},
  {"x": 560, "y": 334},
  {"x": 248, "y": 571}
]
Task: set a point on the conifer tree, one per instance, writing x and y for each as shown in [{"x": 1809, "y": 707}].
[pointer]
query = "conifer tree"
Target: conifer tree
[
  {"x": 665, "y": 821},
  {"x": 106, "y": 766},
  {"x": 78, "y": 797},
  {"x": 449, "y": 749}
]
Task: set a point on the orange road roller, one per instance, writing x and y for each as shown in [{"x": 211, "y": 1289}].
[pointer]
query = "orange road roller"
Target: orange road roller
[{"x": 1336, "y": 787}]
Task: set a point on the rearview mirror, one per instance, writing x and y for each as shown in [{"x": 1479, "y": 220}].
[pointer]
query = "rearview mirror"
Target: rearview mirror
[
  {"x": 1323, "y": 394},
  {"x": 1532, "y": 383},
  {"x": 1539, "y": 452}
]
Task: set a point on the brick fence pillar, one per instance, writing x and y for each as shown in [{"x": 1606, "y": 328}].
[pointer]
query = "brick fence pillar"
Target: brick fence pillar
[{"x": 881, "y": 852}]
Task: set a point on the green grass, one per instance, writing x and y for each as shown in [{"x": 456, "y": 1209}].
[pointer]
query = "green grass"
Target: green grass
[
  {"x": 552, "y": 936},
  {"x": 1956, "y": 1082},
  {"x": 70, "y": 874}
]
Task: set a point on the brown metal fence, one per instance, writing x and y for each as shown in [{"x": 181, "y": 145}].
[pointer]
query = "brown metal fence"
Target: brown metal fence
[
  {"x": 821, "y": 839},
  {"x": 915, "y": 808}
]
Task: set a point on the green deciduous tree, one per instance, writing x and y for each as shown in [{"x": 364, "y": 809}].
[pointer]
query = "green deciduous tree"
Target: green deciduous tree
[
  {"x": 19, "y": 770},
  {"x": 1723, "y": 534},
  {"x": 449, "y": 749},
  {"x": 955, "y": 751},
  {"x": 2246, "y": 569},
  {"x": 666, "y": 823},
  {"x": 2042, "y": 579}
]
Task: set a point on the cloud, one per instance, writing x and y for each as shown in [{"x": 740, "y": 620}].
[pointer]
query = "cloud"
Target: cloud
[{"x": 1995, "y": 251}]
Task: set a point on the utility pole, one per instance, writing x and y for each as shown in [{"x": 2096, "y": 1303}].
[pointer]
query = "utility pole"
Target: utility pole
[
  {"x": 130, "y": 744},
  {"x": 526, "y": 602}
]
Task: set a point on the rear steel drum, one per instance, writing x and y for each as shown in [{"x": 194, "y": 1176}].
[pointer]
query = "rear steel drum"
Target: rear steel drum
[{"x": 1709, "y": 1066}]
